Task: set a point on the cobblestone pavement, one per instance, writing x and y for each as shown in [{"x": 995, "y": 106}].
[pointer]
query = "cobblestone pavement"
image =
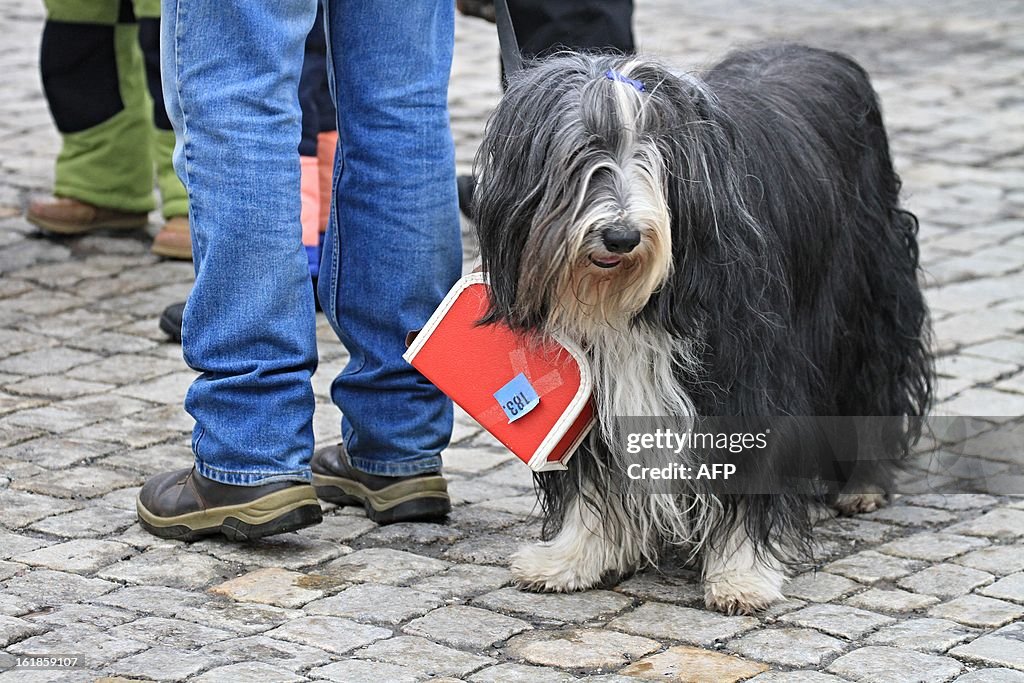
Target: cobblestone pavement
[{"x": 930, "y": 589}]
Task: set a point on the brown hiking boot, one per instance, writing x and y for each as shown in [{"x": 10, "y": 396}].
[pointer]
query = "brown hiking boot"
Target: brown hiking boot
[
  {"x": 174, "y": 239},
  {"x": 185, "y": 505},
  {"x": 66, "y": 216},
  {"x": 419, "y": 497}
]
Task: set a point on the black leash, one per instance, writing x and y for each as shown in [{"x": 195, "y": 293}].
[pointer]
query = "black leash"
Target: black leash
[{"x": 511, "y": 58}]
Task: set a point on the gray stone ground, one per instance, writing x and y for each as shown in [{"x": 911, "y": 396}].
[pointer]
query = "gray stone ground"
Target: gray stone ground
[{"x": 931, "y": 589}]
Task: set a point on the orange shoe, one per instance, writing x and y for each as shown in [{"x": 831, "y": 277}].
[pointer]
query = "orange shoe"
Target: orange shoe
[
  {"x": 174, "y": 239},
  {"x": 66, "y": 216}
]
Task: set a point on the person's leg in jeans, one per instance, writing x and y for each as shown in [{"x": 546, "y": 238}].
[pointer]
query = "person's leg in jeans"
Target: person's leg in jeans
[
  {"x": 231, "y": 71},
  {"x": 392, "y": 250}
]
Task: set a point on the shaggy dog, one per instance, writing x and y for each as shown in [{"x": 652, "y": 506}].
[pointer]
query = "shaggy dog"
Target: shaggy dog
[{"x": 724, "y": 245}]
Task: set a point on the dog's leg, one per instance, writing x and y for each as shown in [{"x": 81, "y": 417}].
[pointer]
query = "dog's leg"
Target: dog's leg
[
  {"x": 738, "y": 579},
  {"x": 590, "y": 546}
]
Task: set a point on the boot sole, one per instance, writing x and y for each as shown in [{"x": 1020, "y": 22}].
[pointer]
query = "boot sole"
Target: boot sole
[
  {"x": 417, "y": 500},
  {"x": 276, "y": 513},
  {"x": 66, "y": 228}
]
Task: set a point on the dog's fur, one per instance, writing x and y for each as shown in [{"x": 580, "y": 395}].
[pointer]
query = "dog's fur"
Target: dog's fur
[{"x": 776, "y": 274}]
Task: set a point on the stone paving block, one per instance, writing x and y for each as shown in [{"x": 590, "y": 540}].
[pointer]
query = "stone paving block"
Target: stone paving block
[
  {"x": 473, "y": 460},
  {"x": 359, "y": 671},
  {"x": 376, "y": 603},
  {"x": 9, "y": 569},
  {"x": 1002, "y": 523},
  {"x": 869, "y": 567},
  {"x": 927, "y": 635},
  {"x": 59, "y": 453},
  {"x": 46, "y": 361},
  {"x": 155, "y": 600},
  {"x": 992, "y": 676},
  {"x": 98, "y": 648},
  {"x": 891, "y": 600},
  {"x": 61, "y": 417},
  {"x": 166, "y": 389},
  {"x": 383, "y": 565},
  {"x": 170, "y": 567},
  {"x": 55, "y": 387},
  {"x": 664, "y": 588},
  {"x": 21, "y": 509},
  {"x": 78, "y": 556},
  {"x": 286, "y": 551},
  {"x": 520, "y": 673},
  {"x": 999, "y": 559},
  {"x": 561, "y": 607},
  {"x": 248, "y": 672},
  {"x": 933, "y": 547},
  {"x": 521, "y": 505},
  {"x": 53, "y": 589},
  {"x": 945, "y": 580},
  {"x": 163, "y": 664},
  {"x": 464, "y": 580},
  {"x": 796, "y": 677},
  {"x": 819, "y": 587},
  {"x": 169, "y": 632},
  {"x": 483, "y": 549},
  {"x": 789, "y": 647},
  {"x": 672, "y": 622},
  {"x": 92, "y": 522},
  {"x": 979, "y": 611},
  {"x": 424, "y": 657},
  {"x": 332, "y": 634},
  {"x": 858, "y": 530},
  {"x": 422, "y": 533},
  {"x": 880, "y": 664},
  {"x": 245, "y": 618},
  {"x": 1004, "y": 647},
  {"x": 80, "y": 482},
  {"x": 1009, "y": 588},
  {"x": 907, "y": 515},
  {"x": 13, "y": 629},
  {"x": 580, "y": 648},
  {"x": 16, "y": 544},
  {"x": 281, "y": 654},
  {"x": 838, "y": 620},
  {"x": 278, "y": 587},
  {"x": 468, "y": 628},
  {"x": 71, "y": 616},
  {"x": 16, "y": 605},
  {"x": 693, "y": 665},
  {"x": 480, "y": 517}
]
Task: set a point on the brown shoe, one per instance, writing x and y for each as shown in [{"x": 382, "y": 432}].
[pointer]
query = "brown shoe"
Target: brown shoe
[
  {"x": 66, "y": 216},
  {"x": 174, "y": 239},
  {"x": 185, "y": 505},
  {"x": 420, "y": 497}
]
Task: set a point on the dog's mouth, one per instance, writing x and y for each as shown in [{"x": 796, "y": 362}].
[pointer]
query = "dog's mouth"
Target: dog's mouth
[{"x": 606, "y": 262}]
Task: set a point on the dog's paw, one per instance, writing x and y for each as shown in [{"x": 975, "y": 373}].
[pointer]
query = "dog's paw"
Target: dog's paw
[
  {"x": 539, "y": 567},
  {"x": 741, "y": 593},
  {"x": 857, "y": 503}
]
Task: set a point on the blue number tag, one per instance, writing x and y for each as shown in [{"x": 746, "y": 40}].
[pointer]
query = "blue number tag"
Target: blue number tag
[{"x": 517, "y": 398}]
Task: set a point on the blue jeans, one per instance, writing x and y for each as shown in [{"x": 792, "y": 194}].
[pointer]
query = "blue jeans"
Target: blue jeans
[{"x": 231, "y": 73}]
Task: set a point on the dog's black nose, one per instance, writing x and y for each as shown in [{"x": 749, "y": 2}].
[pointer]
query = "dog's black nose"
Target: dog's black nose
[{"x": 620, "y": 240}]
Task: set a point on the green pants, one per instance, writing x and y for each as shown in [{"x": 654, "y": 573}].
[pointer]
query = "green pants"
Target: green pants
[{"x": 100, "y": 62}]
